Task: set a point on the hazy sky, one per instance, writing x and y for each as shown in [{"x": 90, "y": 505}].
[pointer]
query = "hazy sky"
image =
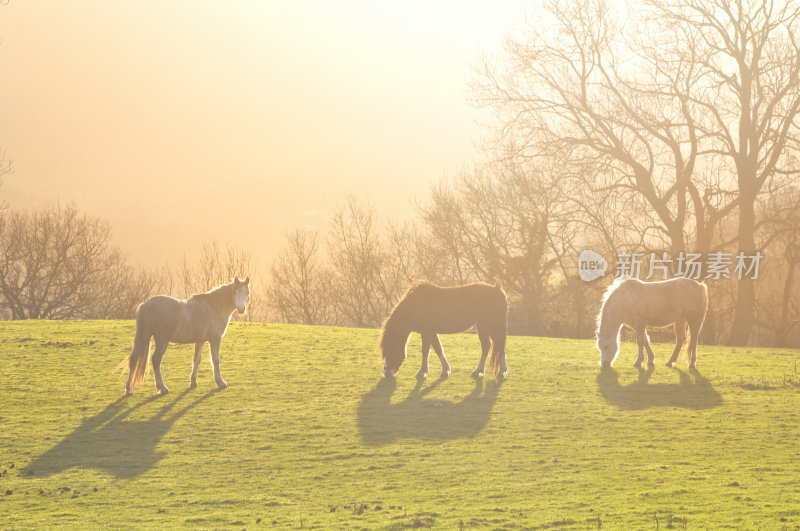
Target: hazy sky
[{"x": 181, "y": 121}]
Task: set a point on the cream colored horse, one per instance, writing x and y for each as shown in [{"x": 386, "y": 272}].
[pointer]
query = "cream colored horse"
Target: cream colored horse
[
  {"x": 637, "y": 305},
  {"x": 199, "y": 319}
]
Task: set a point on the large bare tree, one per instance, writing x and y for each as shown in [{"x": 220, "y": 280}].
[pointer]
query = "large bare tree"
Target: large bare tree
[
  {"x": 686, "y": 111},
  {"x": 58, "y": 263}
]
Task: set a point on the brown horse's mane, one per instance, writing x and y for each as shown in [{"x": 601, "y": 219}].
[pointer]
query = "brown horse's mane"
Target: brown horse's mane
[{"x": 219, "y": 297}]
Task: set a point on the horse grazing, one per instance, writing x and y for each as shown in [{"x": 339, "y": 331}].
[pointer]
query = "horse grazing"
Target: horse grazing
[
  {"x": 430, "y": 310},
  {"x": 639, "y": 304},
  {"x": 203, "y": 317}
]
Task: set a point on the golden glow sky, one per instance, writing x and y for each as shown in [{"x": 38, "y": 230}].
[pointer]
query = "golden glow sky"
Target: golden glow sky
[{"x": 181, "y": 121}]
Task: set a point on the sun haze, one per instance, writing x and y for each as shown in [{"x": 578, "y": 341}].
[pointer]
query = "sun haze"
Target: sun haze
[{"x": 180, "y": 122}]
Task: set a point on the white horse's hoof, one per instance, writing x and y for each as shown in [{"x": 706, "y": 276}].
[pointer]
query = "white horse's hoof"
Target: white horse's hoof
[
  {"x": 651, "y": 364},
  {"x": 193, "y": 384},
  {"x": 444, "y": 374},
  {"x": 476, "y": 373},
  {"x": 162, "y": 390},
  {"x": 638, "y": 365},
  {"x": 670, "y": 363},
  {"x": 221, "y": 384},
  {"x": 421, "y": 374}
]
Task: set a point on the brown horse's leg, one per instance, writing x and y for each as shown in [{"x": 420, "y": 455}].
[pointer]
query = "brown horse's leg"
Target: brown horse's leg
[
  {"x": 486, "y": 343},
  {"x": 214, "y": 344},
  {"x": 680, "y": 338},
  {"x": 198, "y": 350},
  {"x": 437, "y": 346},
  {"x": 426, "y": 349},
  {"x": 641, "y": 338},
  {"x": 161, "y": 348},
  {"x": 651, "y": 357}
]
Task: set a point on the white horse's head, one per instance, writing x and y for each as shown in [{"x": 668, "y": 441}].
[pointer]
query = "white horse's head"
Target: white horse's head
[
  {"x": 241, "y": 291},
  {"x": 608, "y": 345}
]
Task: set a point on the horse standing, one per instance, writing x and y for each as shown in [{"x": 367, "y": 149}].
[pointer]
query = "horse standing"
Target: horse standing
[
  {"x": 203, "y": 317},
  {"x": 637, "y": 305},
  {"x": 430, "y": 310}
]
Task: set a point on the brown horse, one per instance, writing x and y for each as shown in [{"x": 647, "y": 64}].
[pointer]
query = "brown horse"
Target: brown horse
[
  {"x": 430, "y": 310},
  {"x": 637, "y": 305},
  {"x": 203, "y": 317}
]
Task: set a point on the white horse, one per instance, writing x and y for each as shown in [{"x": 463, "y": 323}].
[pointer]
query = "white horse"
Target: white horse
[{"x": 639, "y": 304}]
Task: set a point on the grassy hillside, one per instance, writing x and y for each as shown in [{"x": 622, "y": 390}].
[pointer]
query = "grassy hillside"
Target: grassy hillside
[{"x": 308, "y": 435}]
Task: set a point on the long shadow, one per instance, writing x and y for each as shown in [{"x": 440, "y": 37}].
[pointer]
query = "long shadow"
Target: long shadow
[
  {"x": 417, "y": 417},
  {"x": 110, "y": 442},
  {"x": 693, "y": 391}
]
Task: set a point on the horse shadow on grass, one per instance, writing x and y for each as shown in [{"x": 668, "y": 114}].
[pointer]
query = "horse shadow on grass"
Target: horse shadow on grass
[
  {"x": 416, "y": 417},
  {"x": 110, "y": 442},
  {"x": 693, "y": 391}
]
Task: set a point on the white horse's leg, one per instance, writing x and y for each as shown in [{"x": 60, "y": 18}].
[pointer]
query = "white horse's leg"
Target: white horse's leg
[
  {"x": 214, "y": 347},
  {"x": 486, "y": 344},
  {"x": 641, "y": 336},
  {"x": 158, "y": 353},
  {"x": 437, "y": 346},
  {"x": 426, "y": 349},
  {"x": 680, "y": 339},
  {"x": 198, "y": 350}
]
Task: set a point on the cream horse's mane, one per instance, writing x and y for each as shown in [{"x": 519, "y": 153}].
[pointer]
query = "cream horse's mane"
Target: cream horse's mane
[{"x": 607, "y": 295}]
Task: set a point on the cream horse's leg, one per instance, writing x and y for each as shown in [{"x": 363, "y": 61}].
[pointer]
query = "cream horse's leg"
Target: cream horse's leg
[
  {"x": 680, "y": 339},
  {"x": 694, "y": 338},
  {"x": 158, "y": 353},
  {"x": 426, "y": 349},
  {"x": 437, "y": 346},
  {"x": 198, "y": 350},
  {"x": 214, "y": 347}
]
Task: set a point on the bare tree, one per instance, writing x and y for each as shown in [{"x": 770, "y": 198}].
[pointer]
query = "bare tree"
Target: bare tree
[
  {"x": 54, "y": 264},
  {"x": 299, "y": 290},
  {"x": 688, "y": 111},
  {"x": 748, "y": 57},
  {"x": 512, "y": 223},
  {"x": 215, "y": 266},
  {"x": 361, "y": 294}
]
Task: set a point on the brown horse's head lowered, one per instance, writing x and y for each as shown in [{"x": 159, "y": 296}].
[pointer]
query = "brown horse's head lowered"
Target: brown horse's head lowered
[{"x": 431, "y": 310}]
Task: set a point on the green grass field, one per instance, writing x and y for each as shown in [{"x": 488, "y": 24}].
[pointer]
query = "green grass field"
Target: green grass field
[{"x": 308, "y": 435}]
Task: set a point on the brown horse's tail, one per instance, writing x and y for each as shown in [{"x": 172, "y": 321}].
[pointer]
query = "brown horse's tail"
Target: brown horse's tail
[
  {"x": 498, "y": 349},
  {"x": 138, "y": 358},
  {"x": 501, "y": 329}
]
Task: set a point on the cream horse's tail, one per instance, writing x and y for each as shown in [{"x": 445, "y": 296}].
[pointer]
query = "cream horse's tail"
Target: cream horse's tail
[{"x": 138, "y": 358}]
